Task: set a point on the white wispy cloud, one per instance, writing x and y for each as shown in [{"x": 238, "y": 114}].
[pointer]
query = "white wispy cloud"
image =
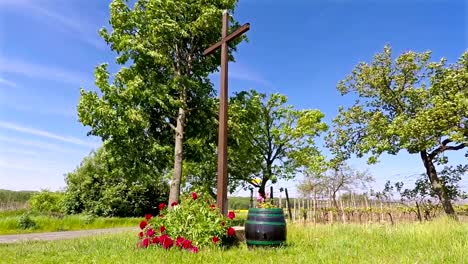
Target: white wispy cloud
[
  {"x": 32, "y": 70},
  {"x": 6, "y": 82},
  {"x": 244, "y": 73},
  {"x": 42, "y": 10},
  {"x": 30, "y": 144},
  {"x": 46, "y": 134}
]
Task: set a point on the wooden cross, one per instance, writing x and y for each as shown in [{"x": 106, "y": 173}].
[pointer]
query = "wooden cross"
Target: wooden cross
[{"x": 221, "y": 198}]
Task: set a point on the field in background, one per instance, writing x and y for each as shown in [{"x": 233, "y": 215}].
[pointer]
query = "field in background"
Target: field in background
[
  {"x": 13, "y": 205},
  {"x": 440, "y": 241},
  {"x": 13, "y": 200},
  {"x": 10, "y": 222},
  {"x": 362, "y": 211}
]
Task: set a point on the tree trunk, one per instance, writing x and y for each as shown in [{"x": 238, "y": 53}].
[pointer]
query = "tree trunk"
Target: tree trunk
[
  {"x": 437, "y": 186},
  {"x": 418, "y": 212},
  {"x": 179, "y": 140},
  {"x": 261, "y": 190},
  {"x": 335, "y": 203}
]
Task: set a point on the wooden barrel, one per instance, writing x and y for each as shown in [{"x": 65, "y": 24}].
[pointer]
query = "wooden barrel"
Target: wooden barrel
[{"x": 265, "y": 227}]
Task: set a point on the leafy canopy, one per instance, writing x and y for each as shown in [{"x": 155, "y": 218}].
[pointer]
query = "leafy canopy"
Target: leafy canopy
[
  {"x": 159, "y": 46},
  {"x": 272, "y": 139},
  {"x": 410, "y": 103}
]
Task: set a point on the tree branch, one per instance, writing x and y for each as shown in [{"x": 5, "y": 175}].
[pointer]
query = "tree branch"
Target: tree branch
[
  {"x": 172, "y": 126},
  {"x": 278, "y": 151},
  {"x": 443, "y": 147}
]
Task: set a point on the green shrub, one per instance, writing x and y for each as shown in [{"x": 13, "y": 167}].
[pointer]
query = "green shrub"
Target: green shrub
[
  {"x": 102, "y": 186},
  {"x": 47, "y": 202},
  {"x": 89, "y": 219},
  {"x": 25, "y": 222}
]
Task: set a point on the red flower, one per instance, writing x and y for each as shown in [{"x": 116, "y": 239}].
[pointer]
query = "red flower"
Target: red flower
[
  {"x": 162, "y": 238},
  {"x": 174, "y": 204},
  {"x": 231, "y": 232},
  {"x": 155, "y": 240},
  {"x": 231, "y": 215},
  {"x": 143, "y": 224},
  {"x": 223, "y": 223},
  {"x": 215, "y": 239},
  {"x": 193, "y": 249},
  {"x": 194, "y": 195},
  {"x": 212, "y": 207},
  {"x": 161, "y": 206},
  {"x": 186, "y": 244},
  {"x": 146, "y": 242},
  {"x": 168, "y": 242},
  {"x": 140, "y": 235},
  {"x": 162, "y": 229},
  {"x": 148, "y": 216},
  {"x": 179, "y": 241},
  {"x": 150, "y": 232}
]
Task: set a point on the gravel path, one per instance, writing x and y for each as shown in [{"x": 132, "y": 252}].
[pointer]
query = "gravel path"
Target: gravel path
[{"x": 4, "y": 239}]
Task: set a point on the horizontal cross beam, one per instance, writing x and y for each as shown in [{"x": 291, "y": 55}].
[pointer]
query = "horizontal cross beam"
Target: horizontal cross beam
[{"x": 228, "y": 38}]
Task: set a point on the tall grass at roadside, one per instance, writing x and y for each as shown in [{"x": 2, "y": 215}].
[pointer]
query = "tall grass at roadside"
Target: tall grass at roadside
[{"x": 9, "y": 223}]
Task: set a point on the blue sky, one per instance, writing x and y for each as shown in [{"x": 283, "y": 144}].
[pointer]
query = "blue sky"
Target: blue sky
[{"x": 301, "y": 48}]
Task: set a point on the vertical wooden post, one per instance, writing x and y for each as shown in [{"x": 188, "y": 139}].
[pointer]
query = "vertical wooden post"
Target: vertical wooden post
[
  {"x": 288, "y": 204},
  {"x": 280, "y": 204},
  {"x": 271, "y": 195},
  {"x": 295, "y": 208},
  {"x": 343, "y": 216},
  {"x": 315, "y": 207}
]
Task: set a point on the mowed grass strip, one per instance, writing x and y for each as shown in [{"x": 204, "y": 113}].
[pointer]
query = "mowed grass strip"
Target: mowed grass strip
[
  {"x": 441, "y": 241},
  {"x": 9, "y": 223}
]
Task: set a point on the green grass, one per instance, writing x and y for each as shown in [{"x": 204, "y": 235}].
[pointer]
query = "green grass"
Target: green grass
[
  {"x": 441, "y": 241},
  {"x": 9, "y": 223}
]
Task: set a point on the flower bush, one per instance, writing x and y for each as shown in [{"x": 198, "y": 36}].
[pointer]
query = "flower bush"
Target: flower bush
[
  {"x": 193, "y": 223},
  {"x": 264, "y": 202}
]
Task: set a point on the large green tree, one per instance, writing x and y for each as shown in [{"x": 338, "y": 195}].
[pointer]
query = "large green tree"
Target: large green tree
[
  {"x": 405, "y": 104},
  {"x": 162, "y": 91},
  {"x": 272, "y": 139}
]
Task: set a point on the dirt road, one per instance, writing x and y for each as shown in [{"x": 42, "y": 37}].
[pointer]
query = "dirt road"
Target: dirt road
[{"x": 59, "y": 235}]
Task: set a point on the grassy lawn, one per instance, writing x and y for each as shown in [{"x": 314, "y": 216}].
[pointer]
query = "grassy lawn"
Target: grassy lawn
[
  {"x": 9, "y": 223},
  {"x": 441, "y": 241}
]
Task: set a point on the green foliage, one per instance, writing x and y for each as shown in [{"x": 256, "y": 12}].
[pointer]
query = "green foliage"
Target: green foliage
[
  {"x": 100, "y": 187},
  {"x": 409, "y": 103},
  {"x": 25, "y": 222},
  {"x": 162, "y": 85},
  {"x": 196, "y": 219},
  {"x": 462, "y": 209},
  {"x": 272, "y": 140},
  {"x": 47, "y": 202}
]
